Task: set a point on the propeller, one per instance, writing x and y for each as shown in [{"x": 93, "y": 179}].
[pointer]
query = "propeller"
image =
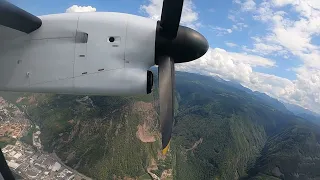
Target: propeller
[{"x": 174, "y": 44}]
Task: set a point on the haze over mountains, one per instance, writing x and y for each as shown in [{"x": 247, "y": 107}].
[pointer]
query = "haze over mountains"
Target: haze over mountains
[{"x": 222, "y": 131}]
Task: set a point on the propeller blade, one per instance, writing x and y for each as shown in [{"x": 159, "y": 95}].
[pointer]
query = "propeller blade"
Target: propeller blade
[
  {"x": 13, "y": 17},
  {"x": 170, "y": 18},
  {"x": 166, "y": 90}
]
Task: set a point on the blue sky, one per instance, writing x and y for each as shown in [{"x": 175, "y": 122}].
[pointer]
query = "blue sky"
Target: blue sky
[{"x": 272, "y": 46}]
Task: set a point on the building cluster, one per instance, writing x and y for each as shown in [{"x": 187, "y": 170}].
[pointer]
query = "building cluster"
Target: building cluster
[
  {"x": 36, "y": 139},
  {"x": 8, "y": 110},
  {"x": 14, "y": 130},
  {"x": 31, "y": 164},
  {"x": 13, "y": 122}
]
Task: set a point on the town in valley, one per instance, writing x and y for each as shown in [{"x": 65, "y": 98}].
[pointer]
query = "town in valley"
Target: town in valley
[{"x": 29, "y": 161}]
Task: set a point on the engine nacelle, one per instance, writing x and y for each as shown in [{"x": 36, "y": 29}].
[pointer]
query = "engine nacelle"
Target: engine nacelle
[{"x": 82, "y": 53}]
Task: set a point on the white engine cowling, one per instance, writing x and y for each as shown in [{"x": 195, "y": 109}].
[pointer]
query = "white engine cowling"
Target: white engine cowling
[{"x": 81, "y": 53}]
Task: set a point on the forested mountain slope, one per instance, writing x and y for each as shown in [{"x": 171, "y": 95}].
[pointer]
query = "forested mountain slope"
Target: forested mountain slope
[{"x": 220, "y": 132}]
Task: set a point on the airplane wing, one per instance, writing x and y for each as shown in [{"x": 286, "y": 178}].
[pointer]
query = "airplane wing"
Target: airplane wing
[{"x": 15, "y": 22}]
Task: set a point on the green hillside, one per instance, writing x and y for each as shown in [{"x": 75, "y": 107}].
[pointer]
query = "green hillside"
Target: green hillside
[
  {"x": 291, "y": 154},
  {"x": 97, "y": 135},
  {"x": 220, "y": 132}
]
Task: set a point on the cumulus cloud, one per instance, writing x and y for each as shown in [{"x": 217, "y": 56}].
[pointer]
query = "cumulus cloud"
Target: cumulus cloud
[
  {"x": 76, "y": 8},
  {"x": 189, "y": 15},
  {"x": 304, "y": 90},
  {"x": 227, "y": 65},
  {"x": 218, "y": 62},
  {"x": 291, "y": 35}
]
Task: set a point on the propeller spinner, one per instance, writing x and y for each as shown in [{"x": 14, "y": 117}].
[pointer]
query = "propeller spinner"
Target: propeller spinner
[{"x": 174, "y": 44}]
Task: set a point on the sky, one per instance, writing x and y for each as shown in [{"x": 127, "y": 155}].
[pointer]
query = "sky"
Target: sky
[{"x": 271, "y": 46}]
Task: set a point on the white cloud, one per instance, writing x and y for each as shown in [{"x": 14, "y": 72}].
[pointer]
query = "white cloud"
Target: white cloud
[
  {"x": 248, "y": 5},
  {"x": 262, "y": 48},
  {"x": 189, "y": 16},
  {"x": 227, "y": 65},
  {"x": 218, "y": 62},
  {"x": 230, "y": 44},
  {"x": 76, "y": 8},
  {"x": 292, "y": 35},
  {"x": 239, "y": 26},
  {"x": 235, "y": 17},
  {"x": 270, "y": 84},
  {"x": 291, "y": 27},
  {"x": 252, "y": 60},
  {"x": 267, "y": 49},
  {"x": 282, "y": 2},
  {"x": 305, "y": 89},
  {"x": 220, "y": 31}
]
